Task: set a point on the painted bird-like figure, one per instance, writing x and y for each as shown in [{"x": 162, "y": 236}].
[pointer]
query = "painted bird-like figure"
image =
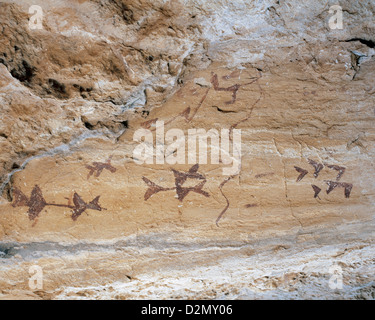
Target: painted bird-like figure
[
  {"x": 181, "y": 178},
  {"x": 98, "y": 167},
  {"x": 81, "y": 206},
  {"x": 317, "y": 191},
  {"x": 332, "y": 185},
  {"x": 317, "y": 166},
  {"x": 37, "y": 203},
  {"x": 302, "y": 172},
  {"x": 341, "y": 171}
]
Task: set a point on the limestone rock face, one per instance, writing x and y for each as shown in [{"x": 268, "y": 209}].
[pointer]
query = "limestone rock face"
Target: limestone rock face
[{"x": 280, "y": 222}]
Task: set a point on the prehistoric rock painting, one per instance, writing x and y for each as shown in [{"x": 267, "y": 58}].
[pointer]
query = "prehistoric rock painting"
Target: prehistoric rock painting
[
  {"x": 250, "y": 110},
  {"x": 251, "y": 205},
  {"x": 81, "y": 206},
  {"x": 316, "y": 190},
  {"x": 302, "y": 172},
  {"x": 98, "y": 167},
  {"x": 234, "y": 89},
  {"x": 263, "y": 175},
  {"x": 189, "y": 115},
  {"x": 317, "y": 166},
  {"x": 226, "y": 198},
  {"x": 341, "y": 171},
  {"x": 37, "y": 203},
  {"x": 147, "y": 124},
  {"x": 182, "y": 192},
  {"x": 332, "y": 185},
  {"x": 180, "y": 179},
  {"x": 153, "y": 188}
]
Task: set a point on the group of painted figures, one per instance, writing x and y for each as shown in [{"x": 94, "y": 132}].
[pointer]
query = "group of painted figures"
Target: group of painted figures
[{"x": 36, "y": 202}]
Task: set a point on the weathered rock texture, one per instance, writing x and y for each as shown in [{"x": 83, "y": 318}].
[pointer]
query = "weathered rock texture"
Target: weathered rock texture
[{"x": 75, "y": 203}]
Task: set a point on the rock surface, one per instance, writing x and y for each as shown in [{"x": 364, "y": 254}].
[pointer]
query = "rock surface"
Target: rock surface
[{"x": 76, "y": 203}]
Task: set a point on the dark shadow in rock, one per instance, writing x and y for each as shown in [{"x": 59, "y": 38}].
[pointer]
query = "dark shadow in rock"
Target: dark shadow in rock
[{"x": 24, "y": 72}]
